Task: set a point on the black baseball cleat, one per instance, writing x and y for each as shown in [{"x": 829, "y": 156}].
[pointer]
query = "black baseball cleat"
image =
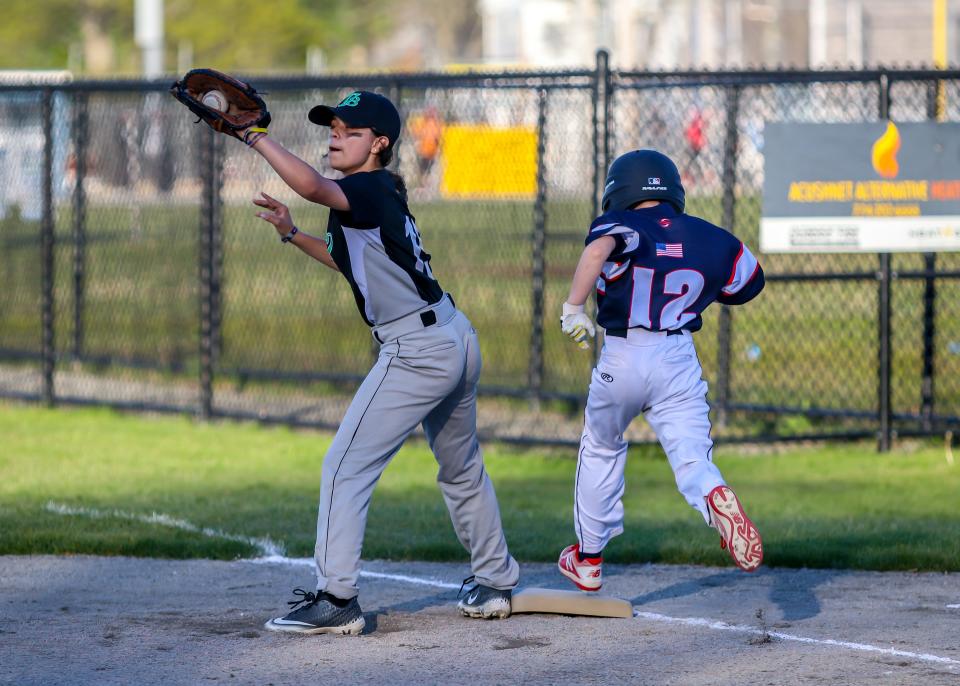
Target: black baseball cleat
[
  {"x": 483, "y": 601},
  {"x": 320, "y": 613}
]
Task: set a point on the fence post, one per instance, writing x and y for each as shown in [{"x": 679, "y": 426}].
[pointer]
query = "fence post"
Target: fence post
[
  {"x": 885, "y": 276},
  {"x": 48, "y": 349},
  {"x": 216, "y": 270},
  {"x": 208, "y": 265},
  {"x": 601, "y": 141},
  {"x": 539, "y": 239},
  {"x": 79, "y": 221},
  {"x": 929, "y": 337},
  {"x": 396, "y": 93},
  {"x": 725, "y": 329},
  {"x": 934, "y": 111},
  {"x": 602, "y": 95}
]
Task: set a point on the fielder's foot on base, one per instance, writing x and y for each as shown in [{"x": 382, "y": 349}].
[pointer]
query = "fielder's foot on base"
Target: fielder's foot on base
[
  {"x": 586, "y": 574},
  {"x": 483, "y": 601},
  {"x": 321, "y": 613},
  {"x": 737, "y": 533}
]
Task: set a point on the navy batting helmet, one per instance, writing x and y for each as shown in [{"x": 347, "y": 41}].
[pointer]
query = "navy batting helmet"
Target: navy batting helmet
[{"x": 642, "y": 175}]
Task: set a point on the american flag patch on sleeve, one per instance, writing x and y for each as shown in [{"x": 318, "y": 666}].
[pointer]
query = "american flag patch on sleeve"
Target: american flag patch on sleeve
[{"x": 669, "y": 249}]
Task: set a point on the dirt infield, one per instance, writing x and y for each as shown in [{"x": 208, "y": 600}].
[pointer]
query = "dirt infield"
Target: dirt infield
[{"x": 92, "y": 620}]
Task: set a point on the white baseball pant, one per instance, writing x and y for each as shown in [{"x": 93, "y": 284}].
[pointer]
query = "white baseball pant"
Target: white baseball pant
[{"x": 659, "y": 376}]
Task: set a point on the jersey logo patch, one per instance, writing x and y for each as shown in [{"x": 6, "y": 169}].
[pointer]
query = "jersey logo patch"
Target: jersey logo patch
[
  {"x": 606, "y": 377},
  {"x": 669, "y": 249},
  {"x": 665, "y": 223}
]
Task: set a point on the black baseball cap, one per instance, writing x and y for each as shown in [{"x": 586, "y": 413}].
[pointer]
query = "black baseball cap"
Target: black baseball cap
[{"x": 361, "y": 110}]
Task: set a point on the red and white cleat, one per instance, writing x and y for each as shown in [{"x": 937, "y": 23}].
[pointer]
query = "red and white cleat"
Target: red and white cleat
[
  {"x": 586, "y": 574},
  {"x": 738, "y": 535}
]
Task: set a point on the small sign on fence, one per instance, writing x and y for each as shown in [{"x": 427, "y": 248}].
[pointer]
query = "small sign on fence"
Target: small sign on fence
[
  {"x": 871, "y": 187},
  {"x": 484, "y": 162}
]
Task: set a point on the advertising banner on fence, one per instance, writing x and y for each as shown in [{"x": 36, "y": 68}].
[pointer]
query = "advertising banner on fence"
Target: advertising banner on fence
[
  {"x": 872, "y": 187},
  {"x": 484, "y": 162}
]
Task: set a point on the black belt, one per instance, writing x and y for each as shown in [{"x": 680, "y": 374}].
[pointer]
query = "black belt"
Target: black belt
[
  {"x": 427, "y": 318},
  {"x": 622, "y": 333}
]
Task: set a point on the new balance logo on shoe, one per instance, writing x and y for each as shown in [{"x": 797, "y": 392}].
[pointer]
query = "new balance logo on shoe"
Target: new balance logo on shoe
[{"x": 586, "y": 575}]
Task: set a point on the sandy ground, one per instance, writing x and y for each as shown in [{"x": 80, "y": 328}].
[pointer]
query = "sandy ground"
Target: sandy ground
[{"x": 92, "y": 620}]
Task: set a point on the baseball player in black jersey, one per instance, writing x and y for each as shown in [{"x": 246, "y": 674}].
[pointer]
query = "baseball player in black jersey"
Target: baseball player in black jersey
[
  {"x": 655, "y": 269},
  {"x": 426, "y": 372}
]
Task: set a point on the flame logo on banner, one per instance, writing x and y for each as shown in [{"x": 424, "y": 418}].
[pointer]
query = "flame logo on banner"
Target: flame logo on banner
[{"x": 884, "y": 152}]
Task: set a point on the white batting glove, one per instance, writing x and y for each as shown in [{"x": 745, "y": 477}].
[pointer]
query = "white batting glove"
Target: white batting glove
[{"x": 577, "y": 325}]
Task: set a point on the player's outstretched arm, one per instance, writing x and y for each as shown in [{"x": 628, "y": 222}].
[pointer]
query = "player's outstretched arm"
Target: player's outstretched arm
[
  {"x": 589, "y": 268},
  {"x": 306, "y": 181},
  {"x": 573, "y": 321},
  {"x": 279, "y": 216}
]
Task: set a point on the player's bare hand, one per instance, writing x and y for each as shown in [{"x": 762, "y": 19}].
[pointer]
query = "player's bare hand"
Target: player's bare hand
[
  {"x": 577, "y": 325},
  {"x": 278, "y": 214}
]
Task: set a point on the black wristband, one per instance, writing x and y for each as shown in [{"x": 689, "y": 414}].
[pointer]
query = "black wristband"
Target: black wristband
[{"x": 289, "y": 237}]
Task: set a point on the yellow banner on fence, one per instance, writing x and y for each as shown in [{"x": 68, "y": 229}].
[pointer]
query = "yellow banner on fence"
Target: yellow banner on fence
[{"x": 481, "y": 162}]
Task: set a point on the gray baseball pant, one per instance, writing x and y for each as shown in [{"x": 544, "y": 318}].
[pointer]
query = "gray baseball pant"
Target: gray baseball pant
[{"x": 424, "y": 374}]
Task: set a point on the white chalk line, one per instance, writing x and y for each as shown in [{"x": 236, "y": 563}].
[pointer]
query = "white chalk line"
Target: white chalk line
[
  {"x": 309, "y": 562},
  {"x": 272, "y": 553},
  {"x": 264, "y": 544},
  {"x": 723, "y": 626}
]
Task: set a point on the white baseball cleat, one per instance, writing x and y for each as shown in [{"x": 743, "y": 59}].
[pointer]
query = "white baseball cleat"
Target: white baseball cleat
[
  {"x": 738, "y": 535},
  {"x": 586, "y": 574}
]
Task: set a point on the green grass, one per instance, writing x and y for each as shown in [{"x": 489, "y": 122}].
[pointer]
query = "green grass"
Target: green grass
[
  {"x": 841, "y": 506},
  {"x": 281, "y": 311}
]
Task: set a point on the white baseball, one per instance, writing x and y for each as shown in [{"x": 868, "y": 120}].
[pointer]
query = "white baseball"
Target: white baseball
[{"x": 215, "y": 100}]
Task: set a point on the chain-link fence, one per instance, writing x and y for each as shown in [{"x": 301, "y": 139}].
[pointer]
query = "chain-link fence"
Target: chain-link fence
[{"x": 135, "y": 274}]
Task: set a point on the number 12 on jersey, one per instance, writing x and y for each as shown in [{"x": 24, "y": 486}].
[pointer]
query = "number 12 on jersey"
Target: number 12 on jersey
[{"x": 685, "y": 284}]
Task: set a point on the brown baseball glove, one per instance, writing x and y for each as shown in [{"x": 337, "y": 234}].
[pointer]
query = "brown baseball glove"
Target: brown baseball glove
[{"x": 243, "y": 106}]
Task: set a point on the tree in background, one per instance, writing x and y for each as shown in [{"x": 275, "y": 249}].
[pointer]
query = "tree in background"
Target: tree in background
[
  {"x": 241, "y": 35},
  {"x": 274, "y": 36},
  {"x": 40, "y": 34}
]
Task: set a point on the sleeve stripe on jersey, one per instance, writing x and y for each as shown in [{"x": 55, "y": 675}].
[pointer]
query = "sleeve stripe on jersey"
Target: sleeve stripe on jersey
[
  {"x": 613, "y": 270},
  {"x": 631, "y": 238},
  {"x": 613, "y": 229},
  {"x": 744, "y": 269},
  {"x": 736, "y": 261}
]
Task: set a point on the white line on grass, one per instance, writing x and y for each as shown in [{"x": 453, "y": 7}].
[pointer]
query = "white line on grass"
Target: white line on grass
[
  {"x": 954, "y": 607},
  {"x": 264, "y": 545},
  {"x": 272, "y": 553}
]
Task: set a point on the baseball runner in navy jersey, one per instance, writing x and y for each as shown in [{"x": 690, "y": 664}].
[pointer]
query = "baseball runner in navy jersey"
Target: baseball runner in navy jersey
[
  {"x": 426, "y": 373},
  {"x": 655, "y": 270}
]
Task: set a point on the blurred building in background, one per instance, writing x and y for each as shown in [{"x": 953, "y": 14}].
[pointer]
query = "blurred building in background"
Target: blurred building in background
[
  {"x": 670, "y": 34},
  {"x": 152, "y": 37}
]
